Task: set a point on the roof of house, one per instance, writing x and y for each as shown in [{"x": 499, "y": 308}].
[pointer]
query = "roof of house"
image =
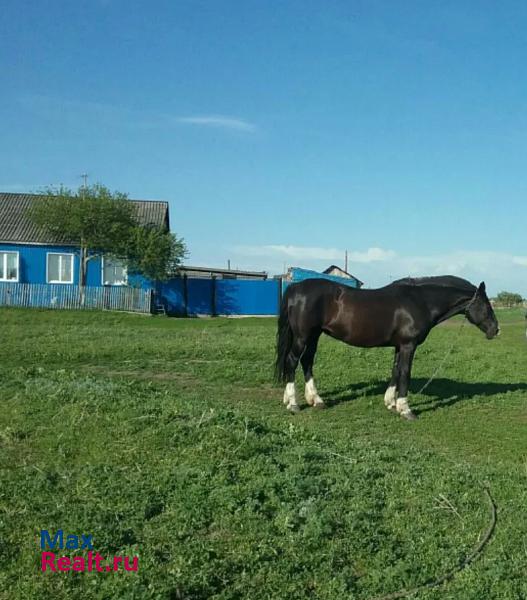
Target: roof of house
[
  {"x": 207, "y": 271},
  {"x": 332, "y": 267},
  {"x": 17, "y": 227}
]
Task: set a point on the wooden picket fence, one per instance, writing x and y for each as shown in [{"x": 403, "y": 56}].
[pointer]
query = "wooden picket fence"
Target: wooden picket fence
[{"x": 71, "y": 296}]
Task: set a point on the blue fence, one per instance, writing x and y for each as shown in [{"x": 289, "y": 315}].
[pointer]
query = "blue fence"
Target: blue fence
[
  {"x": 194, "y": 296},
  {"x": 188, "y": 296},
  {"x": 247, "y": 297},
  {"x": 182, "y": 296},
  {"x": 36, "y": 295}
]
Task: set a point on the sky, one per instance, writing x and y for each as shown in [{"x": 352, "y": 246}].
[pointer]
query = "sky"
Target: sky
[{"x": 284, "y": 133}]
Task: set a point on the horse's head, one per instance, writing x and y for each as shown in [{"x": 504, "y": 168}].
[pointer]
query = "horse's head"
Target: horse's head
[{"x": 479, "y": 312}]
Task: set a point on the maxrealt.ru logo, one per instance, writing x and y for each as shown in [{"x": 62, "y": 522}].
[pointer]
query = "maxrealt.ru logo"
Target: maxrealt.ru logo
[{"x": 89, "y": 563}]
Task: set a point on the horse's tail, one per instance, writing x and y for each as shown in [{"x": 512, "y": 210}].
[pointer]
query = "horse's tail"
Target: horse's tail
[{"x": 284, "y": 340}]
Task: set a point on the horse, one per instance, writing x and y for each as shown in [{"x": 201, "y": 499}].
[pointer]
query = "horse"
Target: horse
[{"x": 400, "y": 315}]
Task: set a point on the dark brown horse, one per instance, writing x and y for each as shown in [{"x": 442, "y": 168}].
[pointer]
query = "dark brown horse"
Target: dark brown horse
[{"x": 400, "y": 315}]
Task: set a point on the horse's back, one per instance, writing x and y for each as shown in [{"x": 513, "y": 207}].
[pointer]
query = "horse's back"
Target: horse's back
[
  {"x": 355, "y": 316},
  {"x": 310, "y": 294},
  {"x": 315, "y": 286},
  {"x": 313, "y": 289}
]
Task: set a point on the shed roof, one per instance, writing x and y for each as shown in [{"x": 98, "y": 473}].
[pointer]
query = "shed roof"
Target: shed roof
[
  {"x": 209, "y": 271},
  {"x": 17, "y": 227},
  {"x": 336, "y": 267}
]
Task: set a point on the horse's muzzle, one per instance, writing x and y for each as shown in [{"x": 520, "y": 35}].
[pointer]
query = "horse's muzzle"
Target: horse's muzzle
[{"x": 492, "y": 334}]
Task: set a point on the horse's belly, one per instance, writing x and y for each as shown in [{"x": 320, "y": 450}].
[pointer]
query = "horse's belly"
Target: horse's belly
[{"x": 360, "y": 335}]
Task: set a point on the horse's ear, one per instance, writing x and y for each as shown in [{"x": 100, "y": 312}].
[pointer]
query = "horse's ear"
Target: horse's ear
[{"x": 481, "y": 287}]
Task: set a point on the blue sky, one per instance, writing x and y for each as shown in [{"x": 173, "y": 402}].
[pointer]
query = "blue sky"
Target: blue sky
[{"x": 285, "y": 132}]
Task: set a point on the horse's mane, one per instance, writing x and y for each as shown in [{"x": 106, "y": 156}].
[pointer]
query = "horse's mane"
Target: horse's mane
[{"x": 449, "y": 281}]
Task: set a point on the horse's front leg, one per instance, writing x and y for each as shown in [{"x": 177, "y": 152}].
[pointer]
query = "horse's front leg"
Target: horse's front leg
[
  {"x": 390, "y": 396},
  {"x": 312, "y": 397},
  {"x": 406, "y": 357}
]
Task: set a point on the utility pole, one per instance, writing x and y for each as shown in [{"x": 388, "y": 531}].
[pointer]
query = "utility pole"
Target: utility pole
[
  {"x": 346, "y": 261},
  {"x": 84, "y": 177}
]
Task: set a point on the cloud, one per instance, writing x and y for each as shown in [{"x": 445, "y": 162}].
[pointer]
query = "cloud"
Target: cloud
[
  {"x": 316, "y": 253},
  {"x": 219, "y": 121},
  {"x": 72, "y": 113},
  {"x": 371, "y": 255},
  {"x": 32, "y": 188},
  {"x": 378, "y": 266},
  {"x": 520, "y": 260},
  {"x": 17, "y": 187},
  {"x": 290, "y": 252}
]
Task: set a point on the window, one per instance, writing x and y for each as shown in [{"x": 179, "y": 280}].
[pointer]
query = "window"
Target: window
[
  {"x": 60, "y": 268},
  {"x": 8, "y": 266},
  {"x": 113, "y": 272}
]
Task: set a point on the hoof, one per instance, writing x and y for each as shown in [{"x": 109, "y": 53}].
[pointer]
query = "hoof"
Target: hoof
[
  {"x": 408, "y": 415},
  {"x": 319, "y": 405},
  {"x": 293, "y": 409}
]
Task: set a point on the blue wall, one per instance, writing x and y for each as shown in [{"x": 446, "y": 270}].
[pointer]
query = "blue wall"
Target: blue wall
[{"x": 33, "y": 263}]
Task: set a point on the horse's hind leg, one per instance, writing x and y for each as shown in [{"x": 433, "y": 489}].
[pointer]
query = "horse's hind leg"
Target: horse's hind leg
[
  {"x": 307, "y": 359},
  {"x": 293, "y": 357}
]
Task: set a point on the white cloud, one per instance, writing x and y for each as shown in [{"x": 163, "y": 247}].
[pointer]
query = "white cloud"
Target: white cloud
[
  {"x": 17, "y": 187},
  {"x": 371, "y": 255},
  {"x": 291, "y": 252},
  {"x": 33, "y": 188},
  {"x": 73, "y": 112},
  {"x": 219, "y": 121},
  {"x": 377, "y": 266},
  {"x": 520, "y": 260},
  {"x": 316, "y": 253}
]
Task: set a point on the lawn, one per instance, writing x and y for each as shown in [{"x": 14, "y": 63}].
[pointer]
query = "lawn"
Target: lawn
[{"x": 166, "y": 439}]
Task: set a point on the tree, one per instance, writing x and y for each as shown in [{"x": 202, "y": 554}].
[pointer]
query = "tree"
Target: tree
[
  {"x": 102, "y": 222},
  {"x": 155, "y": 253},
  {"x": 509, "y": 299}
]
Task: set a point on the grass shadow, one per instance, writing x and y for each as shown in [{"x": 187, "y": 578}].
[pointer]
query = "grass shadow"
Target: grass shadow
[
  {"x": 440, "y": 393},
  {"x": 444, "y": 392},
  {"x": 354, "y": 391}
]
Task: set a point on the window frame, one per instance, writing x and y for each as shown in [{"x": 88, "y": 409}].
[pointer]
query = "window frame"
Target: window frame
[
  {"x": 125, "y": 270},
  {"x": 72, "y": 255},
  {"x": 4, "y": 265}
]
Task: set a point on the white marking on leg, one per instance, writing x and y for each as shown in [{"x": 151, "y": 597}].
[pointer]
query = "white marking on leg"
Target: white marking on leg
[
  {"x": 290, "y": 397},
  {"x": 312, "y": 397},
  {"x": 403, "y": 408},
  {"x": 390, "y": 396}
]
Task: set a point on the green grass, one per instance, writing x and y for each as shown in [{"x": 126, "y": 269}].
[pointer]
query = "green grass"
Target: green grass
[{"x": 167, "y": 439}]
